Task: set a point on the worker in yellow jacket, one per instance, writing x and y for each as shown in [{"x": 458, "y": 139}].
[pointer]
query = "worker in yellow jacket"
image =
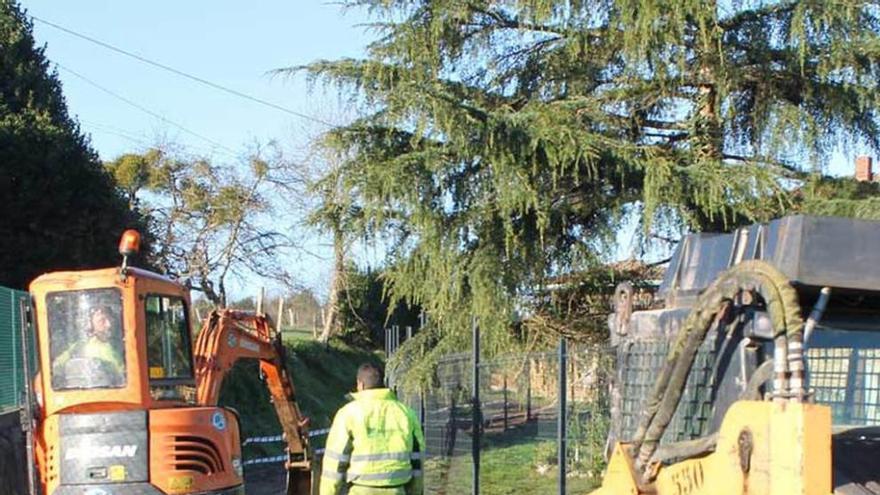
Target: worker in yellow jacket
[{"x": 375, "y": 445}]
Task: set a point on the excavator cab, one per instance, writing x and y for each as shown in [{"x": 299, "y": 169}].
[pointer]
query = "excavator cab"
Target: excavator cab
[{"x": 115, "y": 396}]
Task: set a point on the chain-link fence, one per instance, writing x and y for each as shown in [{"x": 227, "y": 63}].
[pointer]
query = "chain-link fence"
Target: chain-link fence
[{"x": 530, "y": 412}]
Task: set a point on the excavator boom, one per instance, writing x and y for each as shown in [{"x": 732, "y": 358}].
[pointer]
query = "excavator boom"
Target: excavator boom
[{"x": 228, "y": 336}]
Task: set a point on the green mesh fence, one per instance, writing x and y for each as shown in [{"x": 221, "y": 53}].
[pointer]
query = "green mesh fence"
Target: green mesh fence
[{"x": 11, "y": 364}]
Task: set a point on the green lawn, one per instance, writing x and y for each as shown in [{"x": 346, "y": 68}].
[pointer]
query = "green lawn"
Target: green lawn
[
  {"x": 298, "y": 333},
  {"x": 513, "y": 462},
  {"x": 510, "y": 464}
]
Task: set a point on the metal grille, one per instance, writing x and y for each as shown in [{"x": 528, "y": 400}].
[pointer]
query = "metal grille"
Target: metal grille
[
  {"x": 848, "y": 380},
  {"x": 639, "y": 363}
]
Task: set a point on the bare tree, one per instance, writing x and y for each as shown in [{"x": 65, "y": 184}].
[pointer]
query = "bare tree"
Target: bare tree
[
  {"x": 332, "y": 213},
  {"x": 210, "y": 221}
]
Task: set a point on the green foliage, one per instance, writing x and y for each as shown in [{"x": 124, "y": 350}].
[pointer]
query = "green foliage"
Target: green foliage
[
  {"x": 305, "y": 308},
  {"x": 364, "y": 309},
  {"x": 209, "y": 220},
  {"x": 502, "y": 140},
  {"x": 578, "y": 305},
  {"x": 322, "y": 375},
  {"x": 60, "y": 208},
  {"x": 509, "y": 465},
  {"x": 840, "y": 197}
]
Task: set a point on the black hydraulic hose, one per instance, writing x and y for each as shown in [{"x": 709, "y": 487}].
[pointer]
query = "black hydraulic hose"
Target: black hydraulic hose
[{"x": 782, "y": 305}]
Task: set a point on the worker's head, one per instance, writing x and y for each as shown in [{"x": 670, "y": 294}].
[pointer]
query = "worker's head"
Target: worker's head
[
  {"x": 100, "y": 322},
  {"x": 369, "y": 376}
]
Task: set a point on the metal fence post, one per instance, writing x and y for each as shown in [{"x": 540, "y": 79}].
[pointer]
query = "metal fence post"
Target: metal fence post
[
  {"x": 528, "y": 389},
  {"x": 505, "y": 401},
  {"x": 476, "y": 420},
  {"x": 451, "y": 430},
  {"x": 28, "y": 403},
  {"x": 561, "y": 415},
  {"x": 422, "y": 411}
]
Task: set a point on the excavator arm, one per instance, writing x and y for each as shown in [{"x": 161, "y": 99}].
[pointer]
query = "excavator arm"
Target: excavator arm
[{"x": 229, "y": 335}]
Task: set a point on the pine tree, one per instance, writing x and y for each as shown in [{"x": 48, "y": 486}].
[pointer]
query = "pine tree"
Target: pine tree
[
  {"x": 502, "y": 140},
  {"x": 60, "y": 209}
]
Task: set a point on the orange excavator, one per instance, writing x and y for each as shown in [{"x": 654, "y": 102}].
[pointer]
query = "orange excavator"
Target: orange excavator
[{"x": 124, "y": 403}]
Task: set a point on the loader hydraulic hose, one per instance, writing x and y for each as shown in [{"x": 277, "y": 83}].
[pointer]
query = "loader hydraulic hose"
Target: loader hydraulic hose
[{"x": 781, "y": 302}]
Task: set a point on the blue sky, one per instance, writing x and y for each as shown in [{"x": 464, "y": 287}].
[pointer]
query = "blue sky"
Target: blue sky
[{"x": 231, "y": 43}]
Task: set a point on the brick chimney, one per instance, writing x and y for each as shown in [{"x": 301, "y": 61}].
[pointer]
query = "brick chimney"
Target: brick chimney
[{"x": 864, "y": 169}]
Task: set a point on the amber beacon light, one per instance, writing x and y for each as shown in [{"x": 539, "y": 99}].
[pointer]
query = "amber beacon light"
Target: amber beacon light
[{"x": 129, "y": 244}]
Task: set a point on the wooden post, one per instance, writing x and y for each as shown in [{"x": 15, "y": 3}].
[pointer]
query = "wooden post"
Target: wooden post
[
  {"x": 280, "y": 313},
  {"x": 260, "y": 296}
]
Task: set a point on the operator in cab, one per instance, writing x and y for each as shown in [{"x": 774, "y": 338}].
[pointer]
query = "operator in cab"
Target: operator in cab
[
  {"x": 375, "y": 444},
  {"x": 98, "y": 347}
]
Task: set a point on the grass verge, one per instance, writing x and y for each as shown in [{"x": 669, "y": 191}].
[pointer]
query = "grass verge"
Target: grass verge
[
  {"x": 510, "y": 464},
  {"x": 322, "y": 377}
]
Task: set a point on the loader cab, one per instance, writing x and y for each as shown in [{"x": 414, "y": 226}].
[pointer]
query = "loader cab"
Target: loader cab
[
  {"x": 843, "y": 353},
  {"x": 107, "y": 338}
]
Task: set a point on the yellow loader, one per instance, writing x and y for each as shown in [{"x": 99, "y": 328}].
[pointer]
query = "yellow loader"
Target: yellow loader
[{"x": 760, "y": 374}]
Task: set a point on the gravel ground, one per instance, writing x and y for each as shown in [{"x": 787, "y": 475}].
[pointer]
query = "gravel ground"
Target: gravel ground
[{"x": 265, "y": 479}]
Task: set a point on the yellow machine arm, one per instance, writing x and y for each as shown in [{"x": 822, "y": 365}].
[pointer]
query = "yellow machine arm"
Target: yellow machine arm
[
  {"x": 778, "y": 447},
  {"x": 762, "y": 448}
]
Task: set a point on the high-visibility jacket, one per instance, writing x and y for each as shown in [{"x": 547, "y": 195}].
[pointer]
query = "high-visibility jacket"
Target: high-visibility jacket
[
  {"x": 375, "y": 441},
  {"x": 93, "y": 348}
]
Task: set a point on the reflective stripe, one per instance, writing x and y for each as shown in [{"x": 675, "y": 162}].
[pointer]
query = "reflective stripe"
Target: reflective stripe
[
  {"x": 332, "y": 475},
  {"x": 406, "y": 473},
  {"x": 336, "y": 456},
  {"x": 385, "y": 456}
]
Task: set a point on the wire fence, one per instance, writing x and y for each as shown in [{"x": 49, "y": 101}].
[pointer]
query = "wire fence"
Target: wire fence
[
  {"x": 251, "y": 459},
  {"x": 528, "y": 415}
]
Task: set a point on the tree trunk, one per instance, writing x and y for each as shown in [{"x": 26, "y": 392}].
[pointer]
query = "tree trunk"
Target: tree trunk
[{"x": 331, "y": 319}]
